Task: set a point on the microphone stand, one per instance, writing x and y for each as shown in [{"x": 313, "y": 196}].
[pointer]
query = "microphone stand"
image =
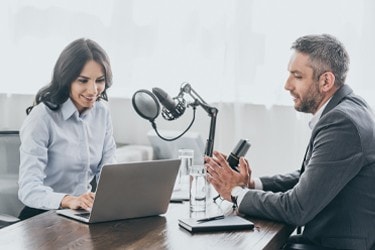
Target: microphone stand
[{"x": 211, "y": 111}]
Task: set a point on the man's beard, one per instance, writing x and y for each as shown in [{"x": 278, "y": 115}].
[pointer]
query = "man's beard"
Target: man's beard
[{"x": 311, "y": 101}]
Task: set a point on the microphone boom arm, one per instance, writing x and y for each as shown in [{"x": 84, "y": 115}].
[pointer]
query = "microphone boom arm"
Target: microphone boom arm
[{"x": 211, "y": 111}]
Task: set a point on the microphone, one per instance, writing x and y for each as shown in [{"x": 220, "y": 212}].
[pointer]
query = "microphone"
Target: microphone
[
  {"x": 233, "y": 159},
  {"x": 239, "y": 150},
  {"x": 173, "y": 108}
]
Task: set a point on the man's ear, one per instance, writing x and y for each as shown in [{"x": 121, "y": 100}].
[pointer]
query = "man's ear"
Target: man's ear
[{"x": 327, "y": 81}]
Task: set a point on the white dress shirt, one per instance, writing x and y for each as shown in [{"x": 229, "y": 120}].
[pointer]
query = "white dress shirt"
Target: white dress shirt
[{"x": 61, "y": 152}]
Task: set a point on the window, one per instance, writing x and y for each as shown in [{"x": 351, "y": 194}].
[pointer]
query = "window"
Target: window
[{"x": 227, "y": 50}]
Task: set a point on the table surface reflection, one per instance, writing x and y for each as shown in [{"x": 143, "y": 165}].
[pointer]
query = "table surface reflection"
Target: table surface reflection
[{"x": 52, "y": 231}]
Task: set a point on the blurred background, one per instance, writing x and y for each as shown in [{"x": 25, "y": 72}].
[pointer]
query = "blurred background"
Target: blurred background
[
  {"x": 228, "y": 50},
  {"x": 233, "y": 53}
]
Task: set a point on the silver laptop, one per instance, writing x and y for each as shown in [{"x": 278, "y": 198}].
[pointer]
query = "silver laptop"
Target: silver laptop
[{"x": 130, "y": 190}]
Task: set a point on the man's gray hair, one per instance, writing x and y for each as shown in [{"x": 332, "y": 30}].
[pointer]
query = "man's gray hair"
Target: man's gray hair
[{"x": 326, "y": 54}]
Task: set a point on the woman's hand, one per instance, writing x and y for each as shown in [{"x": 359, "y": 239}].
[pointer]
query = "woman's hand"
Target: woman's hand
[{"x": 84, "y": 201}]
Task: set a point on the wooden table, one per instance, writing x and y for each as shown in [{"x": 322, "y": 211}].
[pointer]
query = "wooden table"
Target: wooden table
[{"x": 52, "y": 231}]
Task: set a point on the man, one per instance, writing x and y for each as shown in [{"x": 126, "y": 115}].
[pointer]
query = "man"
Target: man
[{"x": 333, "y": 194}]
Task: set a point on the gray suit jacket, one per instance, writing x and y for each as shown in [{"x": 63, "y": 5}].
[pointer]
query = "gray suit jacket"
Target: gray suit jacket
[{"x": 334, "y": 197}]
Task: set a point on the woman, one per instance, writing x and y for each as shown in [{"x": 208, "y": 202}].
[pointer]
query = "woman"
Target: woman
[{"x": 67, "y": 136}]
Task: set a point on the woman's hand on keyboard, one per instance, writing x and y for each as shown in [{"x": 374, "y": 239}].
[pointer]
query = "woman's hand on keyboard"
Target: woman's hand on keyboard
[{"x": 83, "y": 201}]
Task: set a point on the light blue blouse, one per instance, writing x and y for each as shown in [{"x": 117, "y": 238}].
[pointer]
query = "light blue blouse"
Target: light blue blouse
[{"x": 61, "y": 152}]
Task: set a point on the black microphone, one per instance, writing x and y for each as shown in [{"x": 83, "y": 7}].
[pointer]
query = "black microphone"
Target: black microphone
[
  {"x": 239, "y": 150},
  {"x": 172, "y": 107}
]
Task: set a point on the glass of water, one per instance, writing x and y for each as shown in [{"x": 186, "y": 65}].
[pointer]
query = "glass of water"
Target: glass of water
[
  {"x": 197, "y": 188},
  {"x": 186, "y": 156}
]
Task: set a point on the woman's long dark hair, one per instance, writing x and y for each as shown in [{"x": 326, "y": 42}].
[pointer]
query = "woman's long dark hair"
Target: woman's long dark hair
[{"x": 67, "y": 68}]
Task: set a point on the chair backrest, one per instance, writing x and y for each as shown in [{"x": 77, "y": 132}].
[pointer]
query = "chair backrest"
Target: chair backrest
[{"x": 9, "y": 152}]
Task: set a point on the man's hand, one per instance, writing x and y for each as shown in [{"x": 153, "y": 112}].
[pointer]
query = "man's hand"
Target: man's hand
[
  {"x": 223, "y": 177},
  {"x": 84, "y": 201}
]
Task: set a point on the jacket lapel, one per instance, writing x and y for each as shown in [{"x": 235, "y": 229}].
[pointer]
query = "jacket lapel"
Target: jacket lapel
[{"x": 340, "y": 94}]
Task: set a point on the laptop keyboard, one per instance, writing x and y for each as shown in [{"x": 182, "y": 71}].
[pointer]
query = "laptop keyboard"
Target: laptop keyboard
[{"x": 84, "y": 215}]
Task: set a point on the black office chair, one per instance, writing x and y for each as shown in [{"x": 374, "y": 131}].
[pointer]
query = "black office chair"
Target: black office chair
[
  {"x": 300, "y": 246},
  {"x": 9, "y": 166},
  {"x": 296, "y": 242}
]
